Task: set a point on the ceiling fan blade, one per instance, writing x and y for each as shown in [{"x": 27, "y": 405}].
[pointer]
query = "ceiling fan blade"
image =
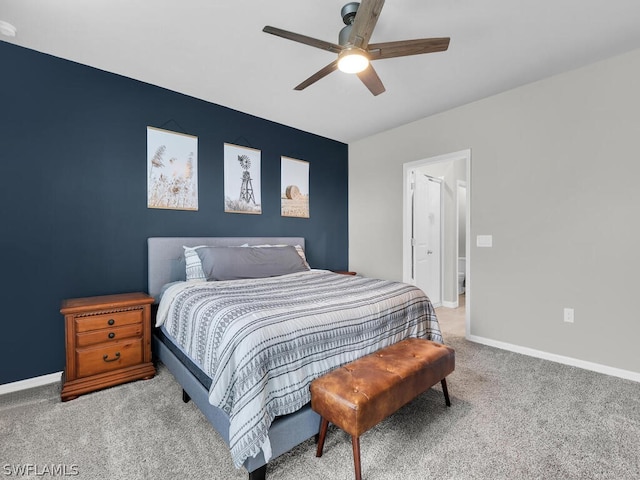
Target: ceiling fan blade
[
  {"x": 372, "y": 81},
  {"x": 296, "y": 37},
  {"x": 407, "y": 47},
  {"x": 365, "y": 22},
  {"x": 318, "y": 75}
]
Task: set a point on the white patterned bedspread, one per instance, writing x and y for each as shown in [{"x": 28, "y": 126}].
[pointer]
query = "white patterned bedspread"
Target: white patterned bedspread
[{"x": 263, "y": 341}]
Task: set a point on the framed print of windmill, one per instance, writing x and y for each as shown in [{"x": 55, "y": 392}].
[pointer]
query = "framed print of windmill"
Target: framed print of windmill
[
  {"x": 241, "y": 180},
  {"x": 172, "y": 170}
]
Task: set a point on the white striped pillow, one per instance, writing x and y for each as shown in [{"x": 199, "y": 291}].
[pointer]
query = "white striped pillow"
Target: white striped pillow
[{"x": 193, "y": 265}]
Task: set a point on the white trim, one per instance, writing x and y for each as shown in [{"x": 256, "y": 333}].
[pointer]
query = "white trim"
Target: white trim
[
  {"x": 30, "y": 383},
  {"x": 407, "y": 180},
  {"x": 574, "y": 362},
  {"x": 467, "y": 263},
  {"x": 441, "y": 203},
  {"x": 462, "y": 184},
  {"x": 450, "y": 304}
]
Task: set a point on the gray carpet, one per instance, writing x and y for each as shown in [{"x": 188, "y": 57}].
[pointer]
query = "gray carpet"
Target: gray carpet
[{"x": 512, "y": 417}]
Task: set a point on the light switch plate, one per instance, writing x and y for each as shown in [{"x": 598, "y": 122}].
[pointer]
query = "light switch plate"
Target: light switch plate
[{"x": 484, "y": 241}]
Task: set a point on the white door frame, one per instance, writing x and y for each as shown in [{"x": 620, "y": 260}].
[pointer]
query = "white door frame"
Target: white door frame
[
  {"x": 407, "y": 168},
  {"x": 461, "y": 184}
]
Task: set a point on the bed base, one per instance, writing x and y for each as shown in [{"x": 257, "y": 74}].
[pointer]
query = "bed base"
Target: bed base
[
  {"x": 258, "y": 474},
  {"x": 285, "y": 433}
]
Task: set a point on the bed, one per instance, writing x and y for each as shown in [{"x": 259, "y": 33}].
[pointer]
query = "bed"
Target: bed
[{"x": 245, "y": 346}]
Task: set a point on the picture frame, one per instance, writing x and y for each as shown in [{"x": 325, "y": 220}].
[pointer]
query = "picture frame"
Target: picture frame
[
  {"x": 242, "y": 183},
  {"x": 294, "y": 187},
  {"x": 172, "y": 170}
]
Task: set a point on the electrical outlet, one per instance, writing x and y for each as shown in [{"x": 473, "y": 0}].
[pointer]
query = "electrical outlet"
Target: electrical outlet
[{"x": 568, "y": 315}]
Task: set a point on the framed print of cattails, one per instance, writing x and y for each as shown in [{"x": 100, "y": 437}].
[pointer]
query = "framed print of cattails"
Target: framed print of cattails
[{"x": 172, "y": 170}]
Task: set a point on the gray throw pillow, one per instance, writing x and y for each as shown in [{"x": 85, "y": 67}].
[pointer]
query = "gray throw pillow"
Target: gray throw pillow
[{"x": 235, "y": 263}]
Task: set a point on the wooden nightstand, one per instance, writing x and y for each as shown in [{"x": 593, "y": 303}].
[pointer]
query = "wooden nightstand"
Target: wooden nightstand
[{"x": 108, "y": 342}]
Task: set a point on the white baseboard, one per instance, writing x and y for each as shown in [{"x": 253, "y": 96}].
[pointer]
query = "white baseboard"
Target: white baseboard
[
  {"x": 594, "y": 367},
  {"x": 450, "y": 304},
  {"x": 30, "y": 383}
]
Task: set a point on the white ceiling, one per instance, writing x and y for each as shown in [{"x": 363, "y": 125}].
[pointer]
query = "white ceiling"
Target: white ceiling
[{"x": 216, "y": 51}]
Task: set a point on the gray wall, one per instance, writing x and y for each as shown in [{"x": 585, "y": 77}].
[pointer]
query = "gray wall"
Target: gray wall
[{"x": 554, "y": 173}]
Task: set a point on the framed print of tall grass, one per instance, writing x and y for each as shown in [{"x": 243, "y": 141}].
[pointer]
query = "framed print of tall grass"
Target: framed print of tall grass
[
  {"x": 294, "y": 190},
  {"x": 172, "y": 170},
  {"x": 241, "y": 179}
]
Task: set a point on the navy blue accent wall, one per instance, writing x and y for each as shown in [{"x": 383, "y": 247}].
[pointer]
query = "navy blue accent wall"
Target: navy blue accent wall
[{"x": 73, "y": 193}]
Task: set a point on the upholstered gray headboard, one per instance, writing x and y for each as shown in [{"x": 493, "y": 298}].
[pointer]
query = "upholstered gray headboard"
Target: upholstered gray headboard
[{"x": 166, "y": 260}]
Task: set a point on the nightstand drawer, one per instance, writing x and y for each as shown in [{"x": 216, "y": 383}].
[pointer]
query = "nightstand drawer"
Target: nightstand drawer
[
  {"x": 108, "y": 335},
  {"x": 108, "y": 320},
  {"x": 107, "y": 357}
]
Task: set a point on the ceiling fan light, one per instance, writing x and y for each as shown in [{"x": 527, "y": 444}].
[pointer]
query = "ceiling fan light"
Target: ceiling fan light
[
  {"x": 352, "y": 62},
  {"x": 7, "y": 29}
]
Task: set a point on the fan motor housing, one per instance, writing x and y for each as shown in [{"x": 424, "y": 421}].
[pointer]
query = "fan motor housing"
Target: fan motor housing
[
  {"x": 349, "y": 11},
  {"x": 343, "y": 36}
]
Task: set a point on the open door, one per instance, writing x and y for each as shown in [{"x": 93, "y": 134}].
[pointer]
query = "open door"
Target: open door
[{"x": 427, "y": 235}]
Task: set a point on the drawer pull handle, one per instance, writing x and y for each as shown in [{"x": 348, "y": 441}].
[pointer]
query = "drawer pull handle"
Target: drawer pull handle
[
  {"x": 112, "y": 335},
  {"x": 106, "y": 357},
  {"x": 111, "y": 321}
]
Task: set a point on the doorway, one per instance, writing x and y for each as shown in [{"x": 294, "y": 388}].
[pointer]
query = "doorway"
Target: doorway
[{"x": 454, "y": 171}]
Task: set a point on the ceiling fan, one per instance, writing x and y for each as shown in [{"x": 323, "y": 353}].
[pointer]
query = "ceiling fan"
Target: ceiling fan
[{"x": 353, "y": 48}]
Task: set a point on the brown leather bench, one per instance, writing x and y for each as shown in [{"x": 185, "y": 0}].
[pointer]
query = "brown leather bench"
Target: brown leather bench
[{"x": 360, "y": 394}]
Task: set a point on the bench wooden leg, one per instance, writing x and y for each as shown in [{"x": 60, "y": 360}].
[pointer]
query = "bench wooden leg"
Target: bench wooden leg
[
  {"x": 324, "y": 424},
  {"x": 443, "y": 382},
  {"x": 355, "y": 441}
]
